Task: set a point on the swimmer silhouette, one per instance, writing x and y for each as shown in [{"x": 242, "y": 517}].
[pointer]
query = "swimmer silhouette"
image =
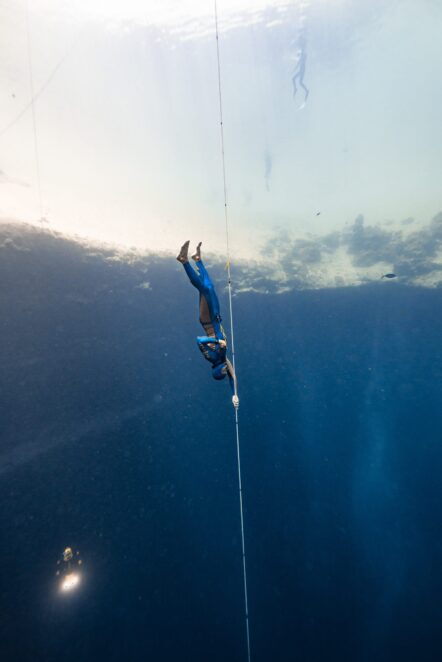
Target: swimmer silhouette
[
  {"x": 300, "y": 73},
  {"x": 389, "y": 276}
]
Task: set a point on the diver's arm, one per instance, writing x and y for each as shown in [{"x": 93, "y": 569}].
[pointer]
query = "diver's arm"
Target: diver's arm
[
  {"x": 206, "y": 340},
  {"x": 212, "y": 349}
]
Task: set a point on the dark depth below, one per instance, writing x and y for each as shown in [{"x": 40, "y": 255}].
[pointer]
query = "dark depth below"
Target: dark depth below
[{"x": 115, "y": 440}]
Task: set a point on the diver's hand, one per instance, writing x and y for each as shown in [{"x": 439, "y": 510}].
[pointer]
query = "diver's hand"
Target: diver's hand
[{"x": 235, "y": 401}]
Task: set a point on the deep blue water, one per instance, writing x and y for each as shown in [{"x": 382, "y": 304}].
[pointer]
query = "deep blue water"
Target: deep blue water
[{"x": 115, "y": 440}]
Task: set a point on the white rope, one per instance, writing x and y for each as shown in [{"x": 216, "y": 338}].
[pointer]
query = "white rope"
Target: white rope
[
  {"x": 229, "y": 281},
  {"x": 34, "y": 123},
  {"x": 244, "y": 566}
]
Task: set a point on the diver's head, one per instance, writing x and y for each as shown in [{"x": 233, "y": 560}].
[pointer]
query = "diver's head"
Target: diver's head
[{"x": 219, "y": 371}]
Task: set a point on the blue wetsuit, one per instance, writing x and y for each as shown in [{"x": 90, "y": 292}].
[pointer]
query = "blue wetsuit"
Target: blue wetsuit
[{"x": 210, "y": 319}]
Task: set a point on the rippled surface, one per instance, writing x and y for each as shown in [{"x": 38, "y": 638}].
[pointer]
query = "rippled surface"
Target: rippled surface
[{"x": 126, "y": 114}]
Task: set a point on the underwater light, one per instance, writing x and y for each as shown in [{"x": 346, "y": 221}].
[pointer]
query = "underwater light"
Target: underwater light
[
  {"x": 70, "y": 582},
  {"x": 68, "y": 565}
]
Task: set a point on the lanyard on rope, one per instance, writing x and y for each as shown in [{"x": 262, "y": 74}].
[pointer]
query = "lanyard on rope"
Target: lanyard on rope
[{"x": 235, "y": 397}]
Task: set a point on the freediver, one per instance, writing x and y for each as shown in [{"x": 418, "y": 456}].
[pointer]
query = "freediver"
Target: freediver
[
  {"x": 213, "y": 345},
  {"x": 300, "y": 73}
]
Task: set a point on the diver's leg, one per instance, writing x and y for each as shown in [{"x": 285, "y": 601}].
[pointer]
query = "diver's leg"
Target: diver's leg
[
  {"x": 197, "y": 256},
  {"x": 193, "y": 276},
  {"x": 183, "y": 255},
  {"x": 202, "y": 281},
  {"x": 209, "y": 299},
  {"x": 307, "y": 91},
  {"x": 209, "y": 287},
  {"x": 209, "y": 293},
  {"x": 213, "y": 302},
  {"x": 205, "y": 278},
  {"x": 295, "y": 89},
  {"x": 204, "y": 274}
]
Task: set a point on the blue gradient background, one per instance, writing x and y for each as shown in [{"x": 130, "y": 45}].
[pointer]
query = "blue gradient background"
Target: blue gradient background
[{"x": 115, "y": 440}]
